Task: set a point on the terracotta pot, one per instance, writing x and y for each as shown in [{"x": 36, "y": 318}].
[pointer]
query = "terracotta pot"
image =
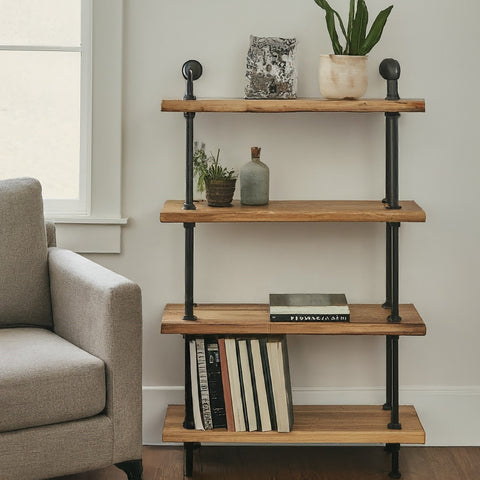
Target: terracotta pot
[
  {"x": 220, "y": 192},
  {"x": 342, "y": 76}
]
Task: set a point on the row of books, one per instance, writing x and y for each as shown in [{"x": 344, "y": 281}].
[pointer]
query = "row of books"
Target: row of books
[
  {"x": 309, "y": 307},
  {"x": 241, "y": 384}
]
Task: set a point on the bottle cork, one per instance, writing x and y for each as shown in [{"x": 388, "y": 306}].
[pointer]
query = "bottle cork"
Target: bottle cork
[{"x": 255, "y": 152}]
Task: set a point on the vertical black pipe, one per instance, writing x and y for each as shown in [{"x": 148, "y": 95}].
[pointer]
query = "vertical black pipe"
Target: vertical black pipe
[
  {"x": 191, "y": 70},
  {"x": 388, "y": 383},
  {"x": 388, "y": 266},
  {"x": 188, "y": 459},
  {"x": 391, "y": 187},
  {"x": 394, "y": 315},
  {"x": 390, "y": 71},
  {"x": 188, "y": 205},
  {"x": 188, "y": 422},
  {"x": 189, "y": 242},
  {"x": 395, "y": 423},
  {"x": 394, "y": 448}
]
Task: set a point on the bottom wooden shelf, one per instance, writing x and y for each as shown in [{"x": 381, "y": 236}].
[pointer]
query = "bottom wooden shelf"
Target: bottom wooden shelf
[{"x": 312, "y": 424}]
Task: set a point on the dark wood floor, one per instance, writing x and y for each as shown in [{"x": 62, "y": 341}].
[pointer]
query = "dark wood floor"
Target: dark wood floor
[{"x": 303, "y": 463}]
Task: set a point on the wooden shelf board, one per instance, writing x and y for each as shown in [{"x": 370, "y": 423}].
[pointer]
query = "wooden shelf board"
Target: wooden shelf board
[
  {"x": 246, "y": 319},
  {"x": 293, "y": 211},
  {"x": 312, "y": 424},
  {"x": 233, "y": 105}
]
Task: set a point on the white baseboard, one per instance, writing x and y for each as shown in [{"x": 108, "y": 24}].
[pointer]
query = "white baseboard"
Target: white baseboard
[{"x": 449, "y": 415}]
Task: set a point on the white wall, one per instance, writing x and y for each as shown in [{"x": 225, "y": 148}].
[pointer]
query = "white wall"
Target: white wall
[{"x": 320, "y": 156}]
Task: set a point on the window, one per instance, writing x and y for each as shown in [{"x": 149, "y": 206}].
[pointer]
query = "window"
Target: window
[
  {"x": 45, "y": 98},
  {"x": 60, "y": 79}
]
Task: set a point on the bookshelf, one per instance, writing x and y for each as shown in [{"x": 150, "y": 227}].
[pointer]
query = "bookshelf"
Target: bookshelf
[
  {"x": 244, "y": 319},
  {"x": 313, "y": 424},
  {"x": 293, "y": 211},
  {"x": 391, "y": 423}
]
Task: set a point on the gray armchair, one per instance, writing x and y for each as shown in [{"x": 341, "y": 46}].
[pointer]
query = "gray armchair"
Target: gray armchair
[{"x": 70, "y": 352}]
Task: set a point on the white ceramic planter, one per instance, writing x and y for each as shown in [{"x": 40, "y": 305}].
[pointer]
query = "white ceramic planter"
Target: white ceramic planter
[{"x": 342, "y": 76}]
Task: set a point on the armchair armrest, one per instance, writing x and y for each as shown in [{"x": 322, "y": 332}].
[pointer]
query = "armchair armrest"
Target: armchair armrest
[{"x": 100, "y": 312}]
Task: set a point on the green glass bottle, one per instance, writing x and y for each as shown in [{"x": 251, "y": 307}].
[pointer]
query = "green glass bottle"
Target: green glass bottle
[{"x": 254, "y": 181}]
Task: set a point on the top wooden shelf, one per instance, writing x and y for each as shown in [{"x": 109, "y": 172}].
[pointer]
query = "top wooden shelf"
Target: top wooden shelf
[{"x": 298, "y": 105}]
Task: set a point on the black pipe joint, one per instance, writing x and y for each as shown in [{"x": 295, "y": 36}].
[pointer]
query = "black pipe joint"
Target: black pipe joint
[
  {"x": 390, "y": 71},
  {"x": 191, "y": 70}
]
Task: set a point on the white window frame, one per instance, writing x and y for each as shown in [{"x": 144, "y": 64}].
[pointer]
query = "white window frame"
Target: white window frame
[
  {"x": 81, "y": 205},
  {"x": 92, "y": 224},
  {"x": 99, "y": 229}
]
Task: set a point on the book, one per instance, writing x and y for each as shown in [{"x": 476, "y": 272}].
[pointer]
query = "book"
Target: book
[
  {"x": 254, "y": 385},
  {"x": 268, "y": 382},
  {"x": 315, "y": 317},
  {"x": 215, "y": 387},
  {"x": 242, "y": 386},
  {"x": 258, "y": 381},
  {"x": 203, "y": 384},
  {"x": 247, "y": 391},
  {"x": 234, "y": 378},
  {"x": 197, "y": 416},
  {"x": 280, "y": 374},
  {"x": 308, "y": 304},
  {"x": 227, "y": 394}
]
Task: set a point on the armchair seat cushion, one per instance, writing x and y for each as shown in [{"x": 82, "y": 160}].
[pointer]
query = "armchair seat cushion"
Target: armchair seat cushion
[{"x": 45, "y": 379}]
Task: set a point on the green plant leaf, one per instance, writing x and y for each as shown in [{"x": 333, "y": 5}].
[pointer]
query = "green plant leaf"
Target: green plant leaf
[
  {"x": 323, "y": 4},
  {"x": 376, "y": 31},
  {"x": 351, "y": 16},
  {"x": 330, "y": 19},
  {"x": 359, "y": 28}
]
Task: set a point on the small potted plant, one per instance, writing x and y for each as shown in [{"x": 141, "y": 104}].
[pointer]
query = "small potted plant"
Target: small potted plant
[
  {"x": 344, "y": 74},
  {"x": 216, "y": 180}
]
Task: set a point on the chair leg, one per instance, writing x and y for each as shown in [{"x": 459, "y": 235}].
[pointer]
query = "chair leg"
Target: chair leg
[{"x": 133, "y": 469}]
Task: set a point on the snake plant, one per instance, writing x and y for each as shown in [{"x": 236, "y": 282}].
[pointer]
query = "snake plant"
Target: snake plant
[{"x": 358, "y": 42}]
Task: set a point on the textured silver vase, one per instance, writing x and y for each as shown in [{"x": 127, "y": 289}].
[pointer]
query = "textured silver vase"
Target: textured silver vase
[{"x": 254, "y": 181}]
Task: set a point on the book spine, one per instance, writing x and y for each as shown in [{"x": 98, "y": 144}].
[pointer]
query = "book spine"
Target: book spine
[
  {"x": 268, "y": 383},
  {"x": 197, "y": 416},
  {"x": 254, "y": 385},
  {"x": 288, "y": 383},
  {"x": 227, "y": 393},
  {"x": 334, "y": 317},
  {"x": 247, "y": 385},
  {"x": 242, "y": 387},
  {"x": 259, "y": 379},
  {"x": 215, "y": 388},
  {"x": 233, "y": 375},
  {"x": 280, "y": 382},
  {"x": 203, "y": 384}
]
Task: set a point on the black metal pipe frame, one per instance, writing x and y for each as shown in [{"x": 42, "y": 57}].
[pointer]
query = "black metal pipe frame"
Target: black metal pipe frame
[
  {"x": 392, "y": 382},
  {"x": 388, "y": 403},
  {"x": 391, "y": 130},
  {"x": 189, "y": 256},
  {"x": 390, "y": 71},
  {"x": 191, "y": 70},
  {"x": 394, "y": 449},
  {"x": 188, "y": 459},
  {"x": 189, "y": 205},
  {"x": 388, "y": 267},
  {"x": 394, "y": 316}
]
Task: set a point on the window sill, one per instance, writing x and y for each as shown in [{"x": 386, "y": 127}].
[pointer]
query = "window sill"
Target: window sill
[{"x": 89, "y": 234}]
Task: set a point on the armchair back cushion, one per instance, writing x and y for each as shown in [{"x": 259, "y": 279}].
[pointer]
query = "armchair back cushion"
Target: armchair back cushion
[{"x": 24, "y": 282}]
